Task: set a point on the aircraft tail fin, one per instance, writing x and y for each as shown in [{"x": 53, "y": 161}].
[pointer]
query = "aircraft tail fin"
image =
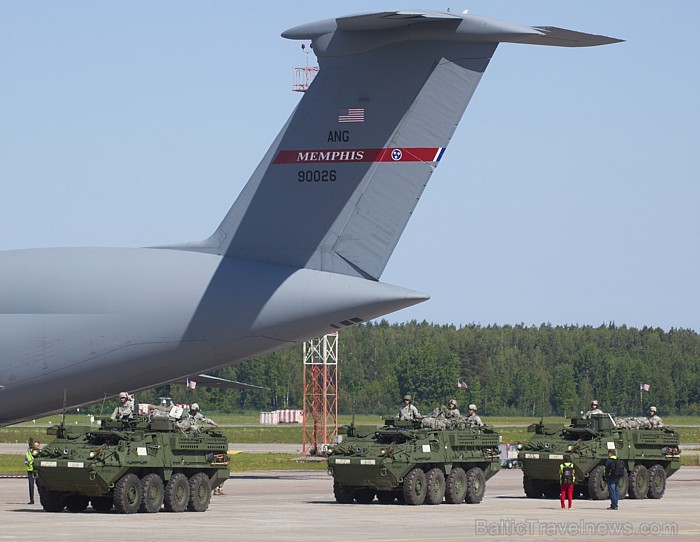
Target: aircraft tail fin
[{"x": 341, "y": 180}]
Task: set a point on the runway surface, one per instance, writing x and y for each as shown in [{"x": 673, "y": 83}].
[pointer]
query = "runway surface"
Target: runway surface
[{"x": 299, "y": 505}]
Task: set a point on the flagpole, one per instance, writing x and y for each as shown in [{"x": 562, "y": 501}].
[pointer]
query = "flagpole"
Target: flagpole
[{"x": 641, "y": 406}]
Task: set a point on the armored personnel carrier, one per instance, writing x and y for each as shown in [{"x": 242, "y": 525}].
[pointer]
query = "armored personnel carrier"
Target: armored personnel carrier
[
  {"x": 650, "y": 455},
  {"x": 404, "y": 460},
  {"x": 134, "y": 466}
]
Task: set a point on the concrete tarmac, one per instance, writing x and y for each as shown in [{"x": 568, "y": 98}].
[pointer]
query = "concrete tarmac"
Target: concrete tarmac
[{"x": 284, "y": 506}]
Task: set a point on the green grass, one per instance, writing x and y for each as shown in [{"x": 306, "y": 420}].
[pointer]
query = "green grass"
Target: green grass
[
  {"x": 12, "y": 464},
  {"x": 244, "y": 462}
]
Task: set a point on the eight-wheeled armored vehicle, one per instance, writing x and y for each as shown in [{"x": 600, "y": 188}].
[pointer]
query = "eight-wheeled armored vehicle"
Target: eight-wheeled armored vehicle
[
  {"x": 131, "y": 465},
  {"x": 415, "y": 464},
  {"x": 650, "y": 456}
]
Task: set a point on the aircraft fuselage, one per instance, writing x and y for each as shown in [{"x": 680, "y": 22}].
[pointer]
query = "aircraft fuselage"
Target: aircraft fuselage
[{"x": 96, "y": 321}]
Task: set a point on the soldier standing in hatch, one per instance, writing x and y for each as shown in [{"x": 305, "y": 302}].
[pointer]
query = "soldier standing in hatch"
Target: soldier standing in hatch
[
  {"x": 125, "y": 408},
  {"x": 473, "y": 419},
  {"x": 595, "y": 409},
  {"x": 195, "y": 416},
  {"x": 654, "y": 420},
  {"x": 452, "y": 410},
  {"x": 32, "y": 452},
  {"x": 408, "y": 411}
]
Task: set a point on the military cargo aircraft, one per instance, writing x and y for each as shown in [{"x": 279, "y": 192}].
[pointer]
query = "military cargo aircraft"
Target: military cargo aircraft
[{"x": 302, "y": 249}]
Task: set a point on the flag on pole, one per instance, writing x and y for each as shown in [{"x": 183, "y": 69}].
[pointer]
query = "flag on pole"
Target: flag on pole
[
  {"x": 462, "y": 384},
  {"x": 191, "y": 384},
  {"x": 644, "y": 387}
]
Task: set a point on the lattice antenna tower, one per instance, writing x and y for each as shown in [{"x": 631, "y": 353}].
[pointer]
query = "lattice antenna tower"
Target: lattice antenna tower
[
  {"x": 304, "y": 76},
  {"x": 320, "y": 394}
]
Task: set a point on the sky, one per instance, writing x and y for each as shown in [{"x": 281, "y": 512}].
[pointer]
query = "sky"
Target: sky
[{"x": 569, "y": 194}]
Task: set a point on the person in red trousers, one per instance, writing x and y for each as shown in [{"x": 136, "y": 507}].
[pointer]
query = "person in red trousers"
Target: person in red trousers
[{"x": 567, "y": 477}]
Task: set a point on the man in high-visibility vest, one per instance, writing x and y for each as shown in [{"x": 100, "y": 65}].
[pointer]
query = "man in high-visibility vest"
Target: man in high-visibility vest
[
  {"x": 567, "y": 477},
  {"x": 32, "y": 452}
]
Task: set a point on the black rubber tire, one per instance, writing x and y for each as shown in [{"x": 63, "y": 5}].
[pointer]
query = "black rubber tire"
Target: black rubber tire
[
  {"x": 414, "y": 487},
  {"x": 533, "y": 488},
  {"x": 364, "y": 495},
  {"x": 152, "y": 493},
  {"x": 597, "y": 486},
  {"x": 435, "y": 492},
  {"x": 77, "y": 503},
  {"x": 639, "y": 482},
  {"x": 127, "y": 494},
  {"x": 386, "y": 497},
  {"x": 456, "y": 486},
  {"x": 476, "y": 485},
  {"x": 177, "y": 493},
  {"x": 200, "y": 493},
  {"x": 102, "y": 504},
  {"x": 52, "y": 501},
  {"x": 657, "y": 482},
  {"x": 343, "y": 494},
  {"x": 622, "y": 487}
]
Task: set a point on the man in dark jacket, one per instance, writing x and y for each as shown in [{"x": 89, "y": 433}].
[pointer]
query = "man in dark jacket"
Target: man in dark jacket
[{"x": 612, "y": 479}]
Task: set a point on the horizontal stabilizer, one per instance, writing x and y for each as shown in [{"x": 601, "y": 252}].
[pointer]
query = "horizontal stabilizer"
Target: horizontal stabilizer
[{"x": 561, "y": 37}]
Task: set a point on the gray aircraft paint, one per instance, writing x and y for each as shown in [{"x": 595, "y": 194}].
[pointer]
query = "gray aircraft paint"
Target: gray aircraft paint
[{"x": 292, "y": 259}]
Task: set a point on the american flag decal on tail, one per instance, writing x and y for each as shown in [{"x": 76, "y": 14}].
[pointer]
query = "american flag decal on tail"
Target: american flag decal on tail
[{"x": 351, "y": 115}]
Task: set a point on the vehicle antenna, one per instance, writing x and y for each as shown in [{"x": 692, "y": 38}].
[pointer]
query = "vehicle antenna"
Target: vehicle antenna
[
  {"x": 63, "y": 415},
  {"x": 103, "y": 404}
]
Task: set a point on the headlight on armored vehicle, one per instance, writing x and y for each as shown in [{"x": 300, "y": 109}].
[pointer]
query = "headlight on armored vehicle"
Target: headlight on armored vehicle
[
  {"x": 569, "y": 448},
  {"x": 92, "y": 455},
  {"x": 382, "y": 452},
  {"x": 520, "y": 446}
]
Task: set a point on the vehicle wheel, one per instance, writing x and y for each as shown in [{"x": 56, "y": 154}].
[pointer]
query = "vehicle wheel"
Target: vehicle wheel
[
  {"x": 622, "y": 487},
  {"x": 386, "y": 497},
  {"x": 414, "y": 487},
  {"x": 102, "y": 504},
  {"x": 435, "y": 492},
  {"x": 200, "y": 493},
  {"x": 343, "y": 494},
  {"x": 639, "y": 482},
  {"x": 657, "y": 482},
  {"x": 364, "y": 495},
  {"x": 127, "y": 494},
  {"x": 177, "y": 493},
  {"x": 152, "y": 492},
  {"x": 77, "y": 503},
  {"x": 456, "y": 486},
  {"x": 52, "y": 501},
  {"x": 476, "y": 485},
  {"x": 533, "y": 488},
  {"x": 597, "y": 486}
]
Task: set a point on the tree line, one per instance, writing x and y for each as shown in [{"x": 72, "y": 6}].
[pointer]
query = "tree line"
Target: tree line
[{"x": 509, "y": 370}]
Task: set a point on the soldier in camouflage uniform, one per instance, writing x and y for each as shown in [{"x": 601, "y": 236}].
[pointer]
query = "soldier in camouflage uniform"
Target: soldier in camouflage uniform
[
  {"x": 195, "y": 417},
  {"x": 654, "y": 420},
  {"x": 452, "y": 410},
  {"x": 125, "y": 408},
  {"x": 473, "y": 419},
  {"x": 595, "y": 409},
  {"x": 408, "y": 411}
]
